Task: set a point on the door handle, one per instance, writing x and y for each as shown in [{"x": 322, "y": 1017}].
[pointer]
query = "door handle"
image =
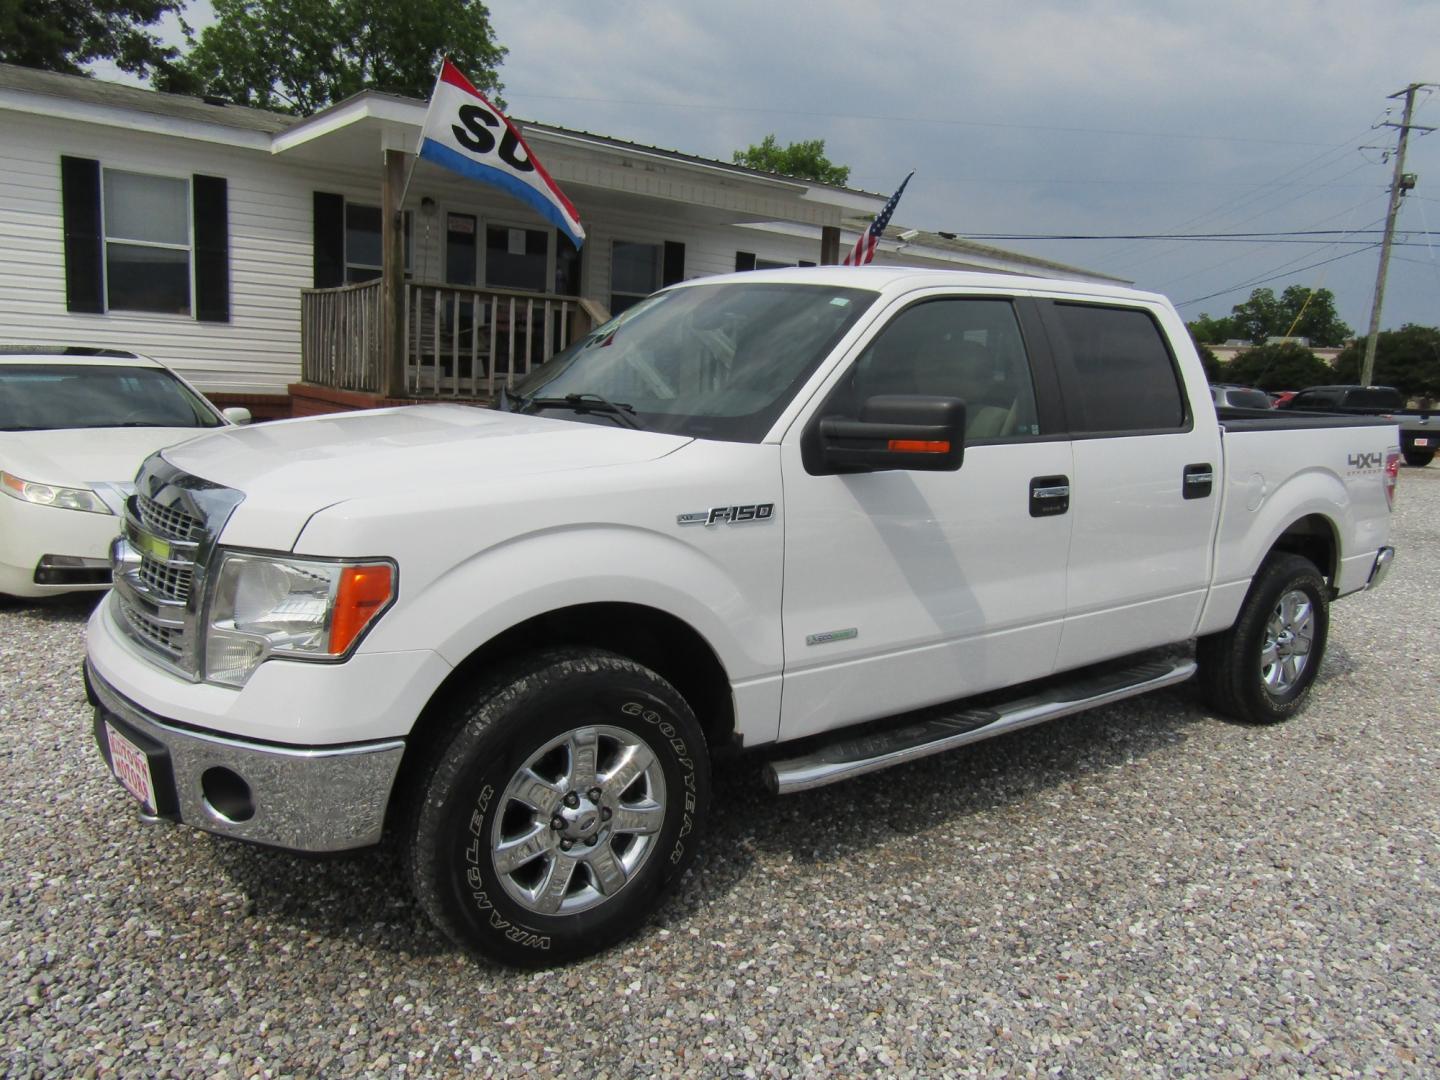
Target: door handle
[
  {"x": 1199, "y": 481},
  {"x": 1049, "y": 495}
]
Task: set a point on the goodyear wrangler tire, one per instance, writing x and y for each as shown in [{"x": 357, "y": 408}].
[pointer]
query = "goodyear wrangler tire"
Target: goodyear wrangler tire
[
  {"x": 569, "y": 797},
  {"x": 1261, "y": 669}
]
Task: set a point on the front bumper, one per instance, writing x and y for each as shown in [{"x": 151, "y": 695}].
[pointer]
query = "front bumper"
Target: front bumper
[{"x": 305, "y": 799}]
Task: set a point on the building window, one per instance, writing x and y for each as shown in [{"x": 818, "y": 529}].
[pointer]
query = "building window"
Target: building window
[
  {"x": 460, "y": 249},
  {"x": 516, "y": 258},
  {"x": 634, "y": 273},
  {"x": 364, "y": 245},
  {"x": 147, "y": 243}
]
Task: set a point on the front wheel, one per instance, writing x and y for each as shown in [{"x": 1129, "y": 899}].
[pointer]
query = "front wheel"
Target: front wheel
[
  {"x": 568, "y": 797},
  {"x": 1261, "y": 669},
  {"x": 1419, "y": 458}
]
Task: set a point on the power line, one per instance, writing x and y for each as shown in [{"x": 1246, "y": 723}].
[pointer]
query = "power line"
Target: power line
[
  {"x": 1274, "y": 277},
  {"x": 947, "y": 122},
  {"x": 1198, "y": 236}
]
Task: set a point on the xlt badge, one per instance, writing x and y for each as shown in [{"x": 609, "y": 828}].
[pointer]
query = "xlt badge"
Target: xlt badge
[{"x": 728, "y": 515}]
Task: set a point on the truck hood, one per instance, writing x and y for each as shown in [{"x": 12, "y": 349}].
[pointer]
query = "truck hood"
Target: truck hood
[{"x": 292, "y": 469}]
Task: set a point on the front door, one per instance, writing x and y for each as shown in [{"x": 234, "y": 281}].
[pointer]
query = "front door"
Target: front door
[{"x": 904, "y": 589}]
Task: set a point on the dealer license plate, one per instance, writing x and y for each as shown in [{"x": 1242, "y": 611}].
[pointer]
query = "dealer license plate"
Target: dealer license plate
[{"x": 132, "y": 767}]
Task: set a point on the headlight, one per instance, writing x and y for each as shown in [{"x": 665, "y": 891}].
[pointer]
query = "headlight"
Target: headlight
[
  {"x": 302, "y": 608},
  {"x": 64, "y": 498}
]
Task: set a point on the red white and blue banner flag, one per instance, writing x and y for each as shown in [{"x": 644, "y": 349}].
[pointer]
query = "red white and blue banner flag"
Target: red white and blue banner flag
[
  {"x": 864, "y": 249},
  {"x": 466, "y": 133}
]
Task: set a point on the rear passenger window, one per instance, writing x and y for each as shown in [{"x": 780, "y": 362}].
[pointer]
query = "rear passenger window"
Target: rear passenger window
[{"x": 1122, "y": 376}]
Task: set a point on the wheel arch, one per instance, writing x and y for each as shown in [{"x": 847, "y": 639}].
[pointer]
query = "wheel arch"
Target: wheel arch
[
  {"x": 666, "y": 644},
  {"x": 1314, "y": 537}
]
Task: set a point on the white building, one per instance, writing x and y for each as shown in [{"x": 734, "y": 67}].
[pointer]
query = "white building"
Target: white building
[{"x": 189, "y": 229}]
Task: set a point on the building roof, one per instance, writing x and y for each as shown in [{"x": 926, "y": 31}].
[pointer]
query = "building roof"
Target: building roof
[
  {"x": 117, "y": 95},
  {"x": 952, "y": 242}
]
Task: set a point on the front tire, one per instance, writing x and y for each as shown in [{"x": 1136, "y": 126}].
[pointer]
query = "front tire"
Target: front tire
[
  {"x": 568, "y": 797},
  {"x": 1261, "y": 669},
  {"x": 1419, "y": 458}
]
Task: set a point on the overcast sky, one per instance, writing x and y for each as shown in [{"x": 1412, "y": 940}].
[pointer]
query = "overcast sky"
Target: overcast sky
[{"x": 1043, "y": 117}]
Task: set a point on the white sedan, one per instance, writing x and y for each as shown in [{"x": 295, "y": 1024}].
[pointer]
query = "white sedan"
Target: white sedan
[{"x": 75, "y": 424}]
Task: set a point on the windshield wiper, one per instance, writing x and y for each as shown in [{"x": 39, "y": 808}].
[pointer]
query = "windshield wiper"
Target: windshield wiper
[{"x": 588, "y": 401}]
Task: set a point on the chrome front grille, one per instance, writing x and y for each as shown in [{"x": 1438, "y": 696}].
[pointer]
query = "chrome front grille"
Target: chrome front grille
[
  {"x": 167, "y": 541},
  {"x": 169, "y": 522},
  {"x": 167, "y": 580}
]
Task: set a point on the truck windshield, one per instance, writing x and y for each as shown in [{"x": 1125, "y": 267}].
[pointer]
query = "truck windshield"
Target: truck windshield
[{"x": 709, "y": 361}]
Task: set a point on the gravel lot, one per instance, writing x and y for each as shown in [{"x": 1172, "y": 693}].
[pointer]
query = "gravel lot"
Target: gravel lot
[{"x": 1146, "y": 890}]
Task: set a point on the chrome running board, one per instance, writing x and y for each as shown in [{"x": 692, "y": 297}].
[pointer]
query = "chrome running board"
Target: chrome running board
[{"x": 939, "y": 731}]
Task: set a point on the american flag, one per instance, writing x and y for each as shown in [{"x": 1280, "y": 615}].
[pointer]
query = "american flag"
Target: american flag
[{"x": 864, "y": 249}]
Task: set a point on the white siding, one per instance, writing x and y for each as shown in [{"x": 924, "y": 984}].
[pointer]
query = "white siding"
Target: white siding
[{"x": 270, "y": 226}]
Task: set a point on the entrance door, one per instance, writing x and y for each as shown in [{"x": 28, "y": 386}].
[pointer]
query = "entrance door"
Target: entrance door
[{"x": 904, "y": 589}]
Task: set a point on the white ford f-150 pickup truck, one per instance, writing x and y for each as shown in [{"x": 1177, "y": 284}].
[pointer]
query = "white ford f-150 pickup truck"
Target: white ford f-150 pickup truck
[{"x": 872, "y": 513}]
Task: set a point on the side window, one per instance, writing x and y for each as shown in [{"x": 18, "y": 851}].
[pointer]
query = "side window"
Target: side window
[
  {"x": 1122, "y": 376},
  {"x": 962, "y": 348}
]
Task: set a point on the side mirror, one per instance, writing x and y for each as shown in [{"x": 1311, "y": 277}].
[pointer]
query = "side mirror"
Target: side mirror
[
  {"x": 237, "y": 415},
  {"x": 895, "y": 431}
]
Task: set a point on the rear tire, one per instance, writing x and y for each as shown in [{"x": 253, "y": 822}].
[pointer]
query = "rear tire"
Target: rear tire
[
  {"x": 567, "y": 798},
  {"x": 1419, "y": 458},
  {"x": 1261, "y": 669}
]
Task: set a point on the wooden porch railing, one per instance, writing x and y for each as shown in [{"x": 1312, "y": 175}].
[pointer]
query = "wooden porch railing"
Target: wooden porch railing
[
  {"x": 340, "y": 337},
  {"x": 467, "y": 342},
  {"x": 460, "y": 342}
]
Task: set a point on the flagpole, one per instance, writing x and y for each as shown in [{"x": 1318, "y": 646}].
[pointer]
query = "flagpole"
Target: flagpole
[{"x": 415, "y": 157}]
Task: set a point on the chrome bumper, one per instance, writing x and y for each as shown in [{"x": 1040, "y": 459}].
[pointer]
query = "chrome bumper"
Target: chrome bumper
[
  {"x": 325, "y": 799},
  {"x": 1384, "y": 559}
]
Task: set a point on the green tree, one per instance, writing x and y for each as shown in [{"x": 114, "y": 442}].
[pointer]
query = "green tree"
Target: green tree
[
  {"x": 1210, "y": 331},
  {"x": 1297, "y": 312},
  {"x": 65, "y": 35},
  {"x": 805, "y": 160},
  {"x": 1279, "y": 367},
  {"x": 1407, "y": 359},
  {"x": 301, "y": 55}
]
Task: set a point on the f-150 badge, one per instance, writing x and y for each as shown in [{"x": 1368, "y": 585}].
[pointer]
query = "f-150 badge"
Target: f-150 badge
[{"x": 728, "y": 515}]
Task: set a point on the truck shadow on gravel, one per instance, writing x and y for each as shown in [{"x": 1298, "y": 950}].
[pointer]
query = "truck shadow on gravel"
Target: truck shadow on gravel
[
  {"x": 842, "y": 823},
  {"x": 366, "y": 899}
]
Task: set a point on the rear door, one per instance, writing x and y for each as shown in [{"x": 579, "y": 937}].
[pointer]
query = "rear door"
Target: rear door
[
  {"x": 1145, "y": 491},
  {"x": 904, "y": 588}
]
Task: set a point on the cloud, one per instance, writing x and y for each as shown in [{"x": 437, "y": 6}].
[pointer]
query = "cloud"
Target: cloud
[{"x": 1044, "y": 116}]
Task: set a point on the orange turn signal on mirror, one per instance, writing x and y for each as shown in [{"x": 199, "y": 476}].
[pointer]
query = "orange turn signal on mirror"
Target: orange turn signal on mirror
[
  {"x": 920, "y": 446},
  {"x": 363, "y": 593}
]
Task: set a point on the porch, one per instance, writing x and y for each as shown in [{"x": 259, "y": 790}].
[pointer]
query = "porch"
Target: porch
[{"x": 456, "y": 342}]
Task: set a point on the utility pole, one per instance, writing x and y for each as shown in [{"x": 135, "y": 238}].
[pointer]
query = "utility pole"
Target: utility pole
[{"x": 1401, "y": 183}]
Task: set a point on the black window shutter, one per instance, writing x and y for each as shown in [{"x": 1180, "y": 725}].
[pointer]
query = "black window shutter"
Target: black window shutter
[
  {"x": 84, "y": 247},
  {"x": 211, "y": 204},
  {"x": 674, "y": 268},
  {"x": 744, "y": 260},
  {"x": 329, "y": 240}
]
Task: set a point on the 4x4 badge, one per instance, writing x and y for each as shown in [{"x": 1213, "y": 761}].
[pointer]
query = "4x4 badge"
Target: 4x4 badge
[{"x": 728, "y": 515}]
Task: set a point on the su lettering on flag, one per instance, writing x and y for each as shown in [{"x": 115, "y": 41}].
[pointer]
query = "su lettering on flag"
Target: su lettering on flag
[{"x": 464, "y": 132}]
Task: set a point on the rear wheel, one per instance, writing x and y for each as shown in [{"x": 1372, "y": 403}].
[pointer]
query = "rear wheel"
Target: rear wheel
[
  {"x": 1419, "y": 458},
  {"x": 1261, "y": 669},
  {"x": 568, "y": 798}
]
